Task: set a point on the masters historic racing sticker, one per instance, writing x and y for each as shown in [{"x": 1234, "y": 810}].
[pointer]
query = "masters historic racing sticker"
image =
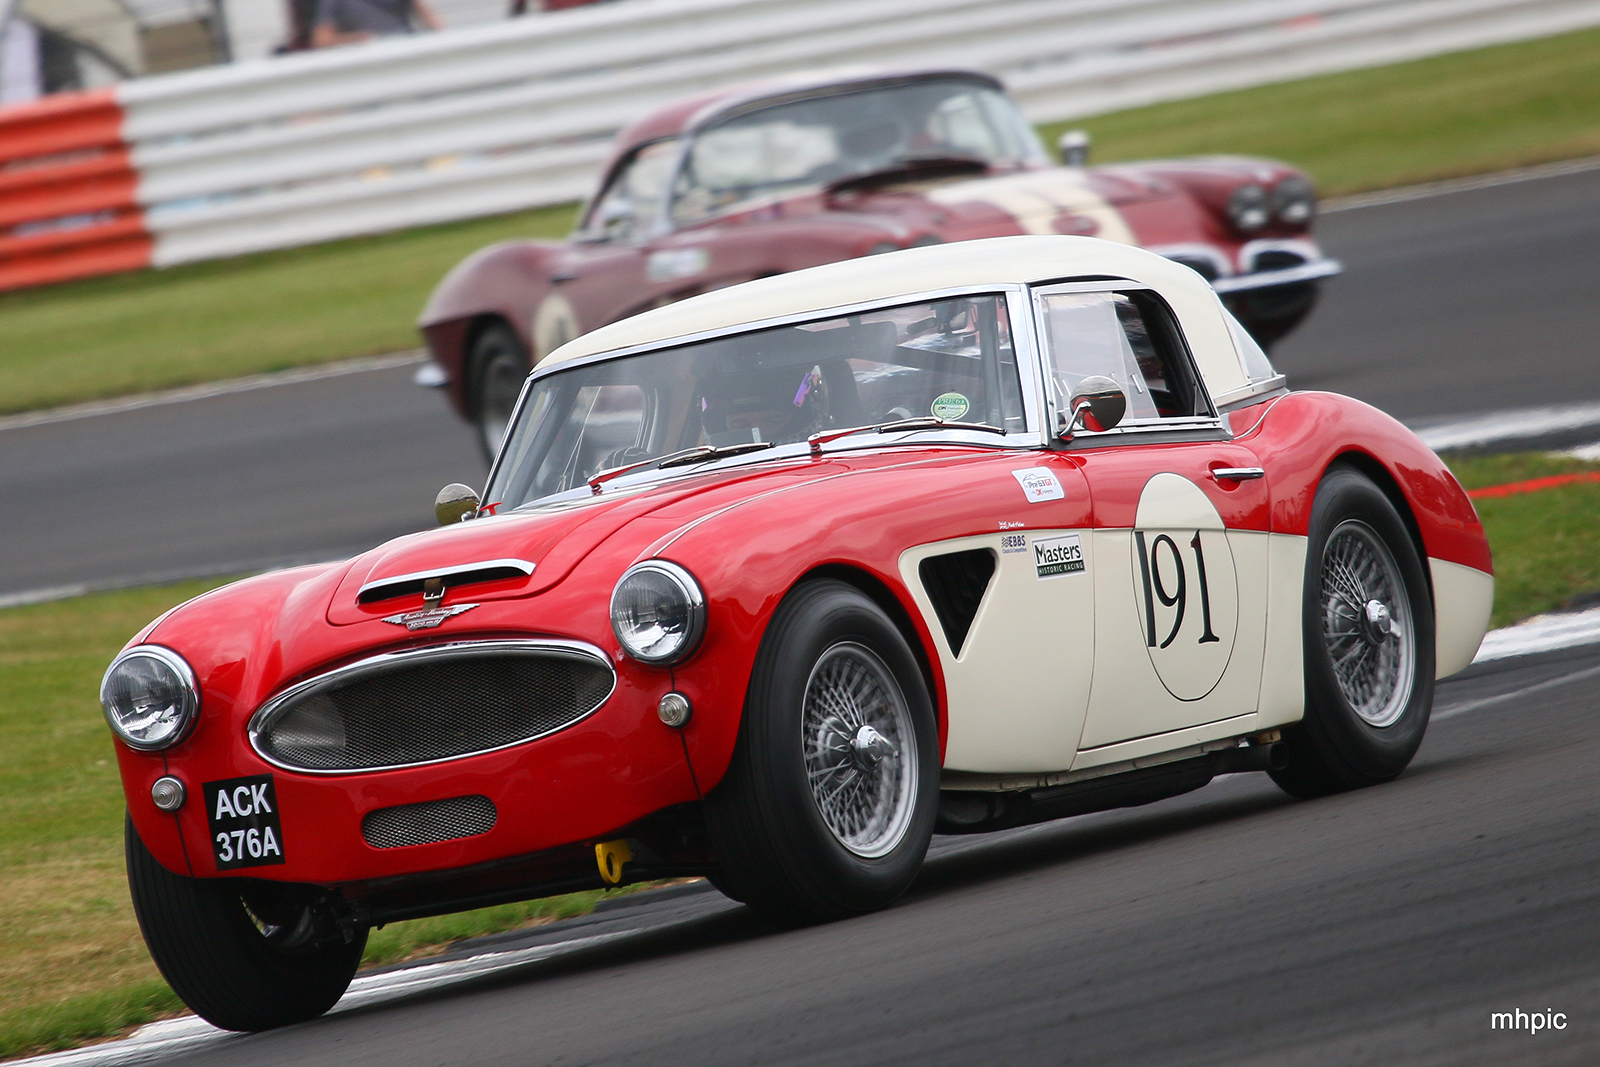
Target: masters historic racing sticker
[
  {"x": 245, "y": 831},
  {"x": 1055, "y": 556}
]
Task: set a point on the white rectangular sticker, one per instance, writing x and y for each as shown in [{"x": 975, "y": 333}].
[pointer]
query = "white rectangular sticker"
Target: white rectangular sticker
[
  {"x": 1038, "y": 484},
  {"x": 1055, "y": 556}
]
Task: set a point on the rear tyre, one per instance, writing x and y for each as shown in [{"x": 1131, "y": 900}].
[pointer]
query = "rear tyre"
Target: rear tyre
[
  {"x": 1369, "y": 649},
  {"x": 828, "y": 806},
  {"x": 497, "y": 367},
  {"x": 239, "y": 967}
]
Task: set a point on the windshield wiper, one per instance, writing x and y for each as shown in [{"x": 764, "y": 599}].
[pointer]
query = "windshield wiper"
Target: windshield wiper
[
  {"x": 928, "y": 166},
  {"x": 681, "y": 458},
  {"x": 926, "y": 422}
]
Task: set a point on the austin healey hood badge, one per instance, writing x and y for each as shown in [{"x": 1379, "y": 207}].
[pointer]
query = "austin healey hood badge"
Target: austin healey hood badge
[{"x": 428, "y": 618}]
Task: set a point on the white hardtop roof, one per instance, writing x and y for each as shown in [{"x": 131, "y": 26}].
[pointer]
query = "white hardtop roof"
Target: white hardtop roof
[{"x": 994, "y": 261}]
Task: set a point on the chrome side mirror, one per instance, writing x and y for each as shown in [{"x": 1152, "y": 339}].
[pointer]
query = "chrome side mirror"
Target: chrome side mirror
[
  {"x": 1074, "y": 148},
  {"x": 455, "y": 503},
  {"x": 1098, "y": 398}
]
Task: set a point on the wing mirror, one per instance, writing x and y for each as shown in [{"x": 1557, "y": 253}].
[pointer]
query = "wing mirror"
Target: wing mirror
[
  {"x": 455, "y": 503},
  {"x": 1074, "y": 148},
  {"x": 1098, "y": 404}
]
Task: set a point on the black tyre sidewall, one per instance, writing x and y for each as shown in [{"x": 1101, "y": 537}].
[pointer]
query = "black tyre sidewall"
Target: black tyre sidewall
[
  {"x": 777, "y": 852},
  {"x": 214, "y": 958},
  {"x": 489, "y": 342},
  {"x": 1335, "y": 748}
]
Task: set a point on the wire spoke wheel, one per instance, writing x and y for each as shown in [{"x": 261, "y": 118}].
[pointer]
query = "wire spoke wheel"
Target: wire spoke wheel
[
  {"x": 860, "y": 749},
  {"x": 1366, "y": 623},
  {"x": 502, "y": 384}
]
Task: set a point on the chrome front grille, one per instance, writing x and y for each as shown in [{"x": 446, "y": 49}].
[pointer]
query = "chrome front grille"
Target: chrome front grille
[
  {"x": 428, "y": 822},
  {"x": 426, "y": 705}
]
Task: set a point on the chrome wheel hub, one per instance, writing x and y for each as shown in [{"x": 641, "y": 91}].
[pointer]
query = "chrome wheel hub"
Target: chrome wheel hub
[
  {"x": 860, "y": 749},
  {"x": 1366, "y": 623}
]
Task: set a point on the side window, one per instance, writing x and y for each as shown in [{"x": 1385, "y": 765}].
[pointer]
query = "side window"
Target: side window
[
  {"x": 1252, "y": 357},
  {"x": 631, "y": 203},
  {"x": 1130, "y": 338}
]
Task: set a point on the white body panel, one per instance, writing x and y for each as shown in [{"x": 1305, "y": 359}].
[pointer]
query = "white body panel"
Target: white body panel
[
  {"x": 1283, "y": 677},
  {"x": 1463, "y": 598},
  {"x": 1017, "y": 692}
]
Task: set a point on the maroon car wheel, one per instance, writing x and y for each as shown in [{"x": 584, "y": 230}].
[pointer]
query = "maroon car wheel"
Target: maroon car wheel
[{"x": 498, "y": 368}]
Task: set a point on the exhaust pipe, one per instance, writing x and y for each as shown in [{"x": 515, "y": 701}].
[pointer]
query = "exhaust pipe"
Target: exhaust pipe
[{"x": 1269, "y": 757}]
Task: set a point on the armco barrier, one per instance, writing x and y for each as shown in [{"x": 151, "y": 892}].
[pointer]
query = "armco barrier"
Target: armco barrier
[
  {"x": 493, "y": 118},
  {"x": 69, "y": 204}
]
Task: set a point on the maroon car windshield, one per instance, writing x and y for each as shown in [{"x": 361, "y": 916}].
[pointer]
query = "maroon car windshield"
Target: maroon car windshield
[
  {"x": 952, "y": 359},
  {"x": 775, "y": 150}
]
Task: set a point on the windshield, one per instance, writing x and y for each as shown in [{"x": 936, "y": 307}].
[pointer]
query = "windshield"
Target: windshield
[
  {"x": 809, "y": 142},
  {"x": 952, "y": 359}
]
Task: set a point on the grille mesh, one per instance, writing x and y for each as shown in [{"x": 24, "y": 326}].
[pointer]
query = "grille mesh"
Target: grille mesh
[
  {"x": 434, "y": 820},
  {"x": 1278, "y": 259},
  {"x": 419, "y": 711}
]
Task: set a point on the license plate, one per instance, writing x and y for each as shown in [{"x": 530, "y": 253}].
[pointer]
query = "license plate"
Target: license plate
[{"x": 243, "y": 813}]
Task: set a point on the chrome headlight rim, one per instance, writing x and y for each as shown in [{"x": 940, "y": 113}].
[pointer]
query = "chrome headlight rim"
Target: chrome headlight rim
[
  {"x": 1294, "y": 201},
  {"x": 186, "y": 680},
  {"x": 694, "y": 599},
  {"x": 1249, "y": 208}
]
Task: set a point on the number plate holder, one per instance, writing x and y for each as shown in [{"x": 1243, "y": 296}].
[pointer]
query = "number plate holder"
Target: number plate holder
[{"x": 243, "y": 816}]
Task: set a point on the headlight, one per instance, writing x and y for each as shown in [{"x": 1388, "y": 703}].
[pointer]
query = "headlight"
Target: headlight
[
  {"x": 658, "y": 612},
  {"x": 1294, "y": 201},
  {"x": 150, "y": 697},
  {"x": 1247, "y": 207}
]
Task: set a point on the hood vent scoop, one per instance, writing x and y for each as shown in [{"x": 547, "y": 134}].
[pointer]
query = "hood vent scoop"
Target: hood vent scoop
[{"x": 489, "y": 570}]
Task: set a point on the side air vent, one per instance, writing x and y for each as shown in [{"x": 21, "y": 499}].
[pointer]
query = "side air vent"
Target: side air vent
[
  {"x": 489, "y": 570},
  {"x": 430, "y": 821},
  {"x": 956, "y": 583}
]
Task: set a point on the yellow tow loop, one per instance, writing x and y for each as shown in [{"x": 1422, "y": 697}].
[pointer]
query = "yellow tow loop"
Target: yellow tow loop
[{"x": 612, "y": 855}]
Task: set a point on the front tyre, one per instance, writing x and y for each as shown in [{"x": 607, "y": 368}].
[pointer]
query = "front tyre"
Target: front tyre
[
  {"x": 828, "y": 806},
  {"x": 1369, "y": 644},
  {"x": 238, "y": 968}
]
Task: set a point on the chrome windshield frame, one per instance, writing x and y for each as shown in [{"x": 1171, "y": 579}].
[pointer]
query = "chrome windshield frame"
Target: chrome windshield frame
[{"x": 1019, "y": 311}]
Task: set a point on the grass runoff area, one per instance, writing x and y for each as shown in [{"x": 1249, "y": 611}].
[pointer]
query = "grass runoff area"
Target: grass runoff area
[
  {"x": 1464, "y": 113},
  {"x": 75, "y": 967}
]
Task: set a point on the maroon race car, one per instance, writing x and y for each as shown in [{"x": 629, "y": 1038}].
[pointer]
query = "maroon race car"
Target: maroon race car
[{"x": 755, "y": 181}]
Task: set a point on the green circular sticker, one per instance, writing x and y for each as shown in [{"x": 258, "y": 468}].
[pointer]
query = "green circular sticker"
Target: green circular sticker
[{"x": 950, "y": 406}]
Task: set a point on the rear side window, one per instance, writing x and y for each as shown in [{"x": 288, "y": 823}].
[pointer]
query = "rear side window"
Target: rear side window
[{"x": 1130, "y": 338}]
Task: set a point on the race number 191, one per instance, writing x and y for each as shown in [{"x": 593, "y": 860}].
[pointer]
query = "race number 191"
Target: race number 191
[{"x": 1156, "y": 577}]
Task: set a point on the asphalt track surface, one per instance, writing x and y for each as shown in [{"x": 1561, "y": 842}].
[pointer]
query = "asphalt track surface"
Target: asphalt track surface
[
  {"x": 1228, "y": 926},
  {"x": 1462, "y": 303}
]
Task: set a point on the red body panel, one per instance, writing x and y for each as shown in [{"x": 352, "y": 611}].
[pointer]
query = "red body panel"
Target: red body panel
[{"x": 748, "y": 534}]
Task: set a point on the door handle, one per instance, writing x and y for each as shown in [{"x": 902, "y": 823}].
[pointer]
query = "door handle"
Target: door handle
[{"x": 1238, "y": 474}]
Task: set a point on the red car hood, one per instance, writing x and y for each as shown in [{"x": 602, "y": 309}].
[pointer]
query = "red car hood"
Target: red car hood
[{"x": 549, "y": 541}]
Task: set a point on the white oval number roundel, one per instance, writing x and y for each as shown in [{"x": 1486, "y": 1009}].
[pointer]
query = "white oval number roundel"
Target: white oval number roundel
[{"x": 1185, "y": 585}]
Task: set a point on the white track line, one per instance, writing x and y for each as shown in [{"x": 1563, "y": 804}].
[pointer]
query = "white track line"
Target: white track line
[
  {"x": 188, "y": 1033},
  {"x": 210, "y": 389},
  {"x": 1474, "y": 705},
  {"x": 1425, "y": 190},
  {"x": 1542, "y": 633},
  {"x": 1476, "y": 431}
]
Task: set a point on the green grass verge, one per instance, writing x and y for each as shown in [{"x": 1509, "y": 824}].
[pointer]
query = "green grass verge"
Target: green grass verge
[
  {"x": 1546, "y": 544},
  {"x": 1441, "y": 117},
  {"x": 1455, "y": 114}
]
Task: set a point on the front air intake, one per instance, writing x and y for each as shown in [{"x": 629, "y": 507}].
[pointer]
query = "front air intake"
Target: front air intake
[
  {"x": 431, "y": 704},
  {"x": 428, "y": 822},
  {"x": 956, "y": 583}
]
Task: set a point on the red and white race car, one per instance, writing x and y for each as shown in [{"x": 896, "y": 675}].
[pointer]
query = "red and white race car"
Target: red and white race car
[
  {"x": 751, "y": 182},
  {"x": 771, "y": 584}
]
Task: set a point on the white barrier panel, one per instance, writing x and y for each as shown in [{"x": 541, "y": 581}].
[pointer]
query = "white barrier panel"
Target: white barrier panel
[{"x": 494, "y": 118}]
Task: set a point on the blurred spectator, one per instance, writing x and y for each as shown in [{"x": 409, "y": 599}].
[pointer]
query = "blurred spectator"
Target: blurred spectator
[{"x": 347, "y": 21}]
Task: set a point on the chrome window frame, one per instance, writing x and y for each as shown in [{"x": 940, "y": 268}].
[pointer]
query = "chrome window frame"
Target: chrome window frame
[
  {"x": 273, "y": 708},
  {"x": 1206, "y": 427},
  {"x": 1019, "y": 309}
]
